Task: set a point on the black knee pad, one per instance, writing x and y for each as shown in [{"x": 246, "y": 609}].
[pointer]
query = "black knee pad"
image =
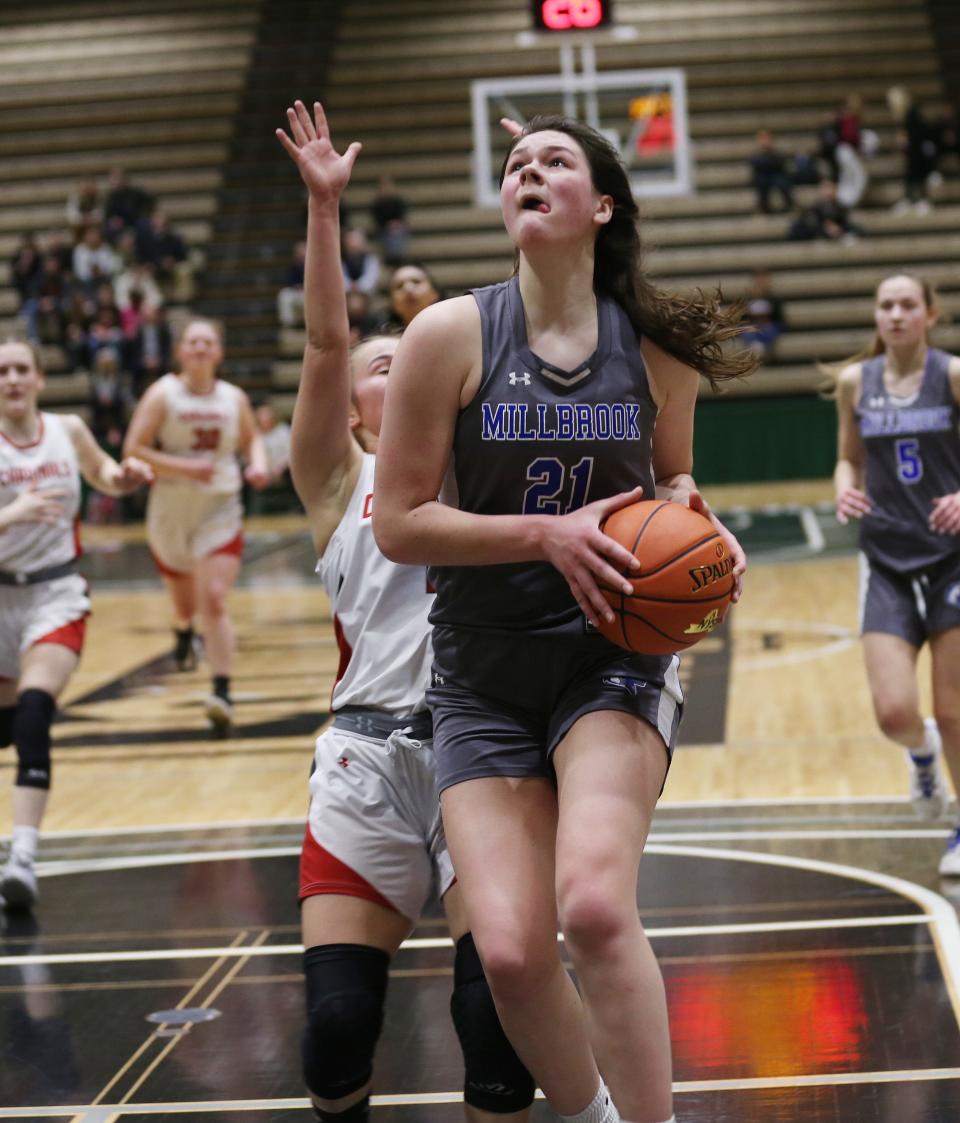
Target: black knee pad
[
  {"x": 495, "y": 1080},
  {"x": 346, "y": 987},
  {"x": 31, "y": 735},
  {"x": 6, "y": 725}
]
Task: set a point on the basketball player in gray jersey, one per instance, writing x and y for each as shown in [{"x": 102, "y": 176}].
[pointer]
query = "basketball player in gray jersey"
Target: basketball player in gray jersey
[
  {"x": 898, "y": 471},
  {"x": 548, "y": 402}
]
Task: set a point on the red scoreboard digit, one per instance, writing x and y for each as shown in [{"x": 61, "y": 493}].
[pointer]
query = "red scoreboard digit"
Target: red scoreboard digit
[{"x": 571, "y": 15}]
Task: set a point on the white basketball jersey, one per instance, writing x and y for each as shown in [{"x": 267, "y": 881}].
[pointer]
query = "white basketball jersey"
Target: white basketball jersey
[
  {"x": 50, "y": 461},
  {"x": 379, "y": 613},
  {"x": 202, "y": 426}
]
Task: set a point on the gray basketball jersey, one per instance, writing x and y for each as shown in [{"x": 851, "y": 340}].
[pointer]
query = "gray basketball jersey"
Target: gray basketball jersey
[
  {"x": 912, "y": 456},
  {"x": 540, "y": 440}
]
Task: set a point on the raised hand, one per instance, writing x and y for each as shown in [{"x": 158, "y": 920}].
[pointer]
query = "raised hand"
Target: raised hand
[
  {"x": 324, "y": 171},
  {"x": 852, "y": 504},
  {"x": 579, "y": 549}
]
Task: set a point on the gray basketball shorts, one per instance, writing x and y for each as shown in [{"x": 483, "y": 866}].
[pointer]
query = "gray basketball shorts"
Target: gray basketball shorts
[
  {"x": 912, "y": 605},
  {"x": 502, "y": 703}
]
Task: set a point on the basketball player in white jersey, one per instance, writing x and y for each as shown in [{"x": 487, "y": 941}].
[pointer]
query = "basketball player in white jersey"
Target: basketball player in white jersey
[
  {"x": 191, "y": 427},
  {"x": 43, "y": 599},
  {"x": 374, "y": 847}
]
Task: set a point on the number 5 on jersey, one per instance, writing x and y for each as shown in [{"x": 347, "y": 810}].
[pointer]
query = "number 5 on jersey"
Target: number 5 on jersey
[
  {"x": 909, "y": 464},
  {"x": 549, "y": 486}
]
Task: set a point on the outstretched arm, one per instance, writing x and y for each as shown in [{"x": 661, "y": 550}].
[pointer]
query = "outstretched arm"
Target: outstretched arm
[
  {"x": 99, "y": 469},
  {"x": 324, "y": 457}
]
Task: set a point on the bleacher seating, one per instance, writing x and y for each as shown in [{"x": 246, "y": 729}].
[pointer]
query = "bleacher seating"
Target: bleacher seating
[{"x": 150, "y": 86}]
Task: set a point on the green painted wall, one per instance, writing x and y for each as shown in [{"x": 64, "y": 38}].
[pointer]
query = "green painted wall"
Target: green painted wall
[{"x": 742, "y": 440}]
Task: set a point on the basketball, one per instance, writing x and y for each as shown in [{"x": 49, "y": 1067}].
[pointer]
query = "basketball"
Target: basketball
[{"x": 683, "y": 589}]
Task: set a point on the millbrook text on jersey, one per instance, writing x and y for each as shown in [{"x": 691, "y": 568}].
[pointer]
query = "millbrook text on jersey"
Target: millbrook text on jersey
[{"x": 562, "y": 421}]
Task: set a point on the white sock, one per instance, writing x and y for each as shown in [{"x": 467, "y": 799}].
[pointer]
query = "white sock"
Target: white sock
[
  {"x": 24, "y": 843},
  {"x": 930, "y": 745},
  {"x": 599, "y": 1110}
]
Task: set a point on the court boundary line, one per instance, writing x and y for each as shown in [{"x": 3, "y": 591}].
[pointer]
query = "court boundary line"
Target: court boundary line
[
  {"x": 426, "y": 943},
  {"x": 99, "y": 1112},
  {"x": 944, "y": 928}
]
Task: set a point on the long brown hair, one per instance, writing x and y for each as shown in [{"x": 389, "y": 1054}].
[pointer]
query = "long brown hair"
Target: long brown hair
[
  {"x": 832, "y": 371},
  {"x": 692, "y": 329}
]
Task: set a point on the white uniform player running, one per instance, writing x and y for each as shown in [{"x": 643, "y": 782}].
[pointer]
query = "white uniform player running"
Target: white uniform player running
[
  {"x": 43, "y": 599},
  {"x": 374, "y": 847},
  {"x": 191, "y": 427}
]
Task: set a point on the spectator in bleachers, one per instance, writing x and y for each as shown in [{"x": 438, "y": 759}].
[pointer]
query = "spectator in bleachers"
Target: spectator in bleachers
[
  {"x": 84, "y": 207},
  {"x": 770, "y": 173},
  {"x": 854, "y": 142},
  {"x": 111, "y": 401},
  {"x": 126, "y": 204},
  {"x": 276, "y": 439},
  {"x": 24, "y": 265},
  {"x": 137, "y": 277},
  {"x": 411, "y": 289},
  {"x": 763, "y": 318},
  {"x": 360, "y": 316},
  {"x": 290, "y": 296},
  {"x": 149, "y": 352},
  {"x": 106, "y": 331},
  {"x": 389, "y": 212},
  {"x": 60, "y": 244},
  {"x": 80, "y": 314},
  {"x": 828, "y": 137},
  {"x": 361, "y": 266},
  {"x": 161, "y": 247},
  {"x": 93, "y": 260},
  {"x": 47, "y": 298},
  {"x": 918, "y": 143},
  {"x": 826, "y": 219}
]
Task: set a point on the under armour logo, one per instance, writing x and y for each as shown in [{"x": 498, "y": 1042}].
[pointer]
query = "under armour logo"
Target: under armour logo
[
  {"x": 519, "y": 379},
  {"x": 877, "y": 403},
  {"x": 343, "y": 761}
]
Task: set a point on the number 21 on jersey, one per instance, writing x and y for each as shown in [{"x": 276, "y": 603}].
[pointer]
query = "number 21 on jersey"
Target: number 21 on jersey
[{"x": 553, "y": 490}]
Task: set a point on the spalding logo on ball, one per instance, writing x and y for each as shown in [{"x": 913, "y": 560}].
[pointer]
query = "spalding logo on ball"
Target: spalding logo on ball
[{"x": 683, "y": 589}]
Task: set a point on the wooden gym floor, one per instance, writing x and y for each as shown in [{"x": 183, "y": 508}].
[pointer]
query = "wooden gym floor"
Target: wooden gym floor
[{"x": 811, "y": 954}]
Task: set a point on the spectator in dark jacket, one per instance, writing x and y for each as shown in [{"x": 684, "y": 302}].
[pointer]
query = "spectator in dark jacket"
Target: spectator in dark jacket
[{"x": 769, "y": 173}]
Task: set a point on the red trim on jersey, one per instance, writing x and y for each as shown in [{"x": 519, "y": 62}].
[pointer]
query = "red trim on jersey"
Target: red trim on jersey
[
  {"x": 165, "y": 570},
  {"x": 29, "y": 444},
  {"x": 321, "y": 873},
  {"x": 234, "y": 546},
  {"x": 367, "y": 512},
  {"x": 346, "y": 653},
  {"x": 70, "y": 635}
]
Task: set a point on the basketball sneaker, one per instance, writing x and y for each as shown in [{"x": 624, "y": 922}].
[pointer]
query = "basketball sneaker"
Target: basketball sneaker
[
  {"x": 187, "y": 650},
  {"x": 18, "y": 883},
  {"x": 219, "y": 711},
  {"x": 950, "y": 862},
  {"x": 928, "y": 792}
]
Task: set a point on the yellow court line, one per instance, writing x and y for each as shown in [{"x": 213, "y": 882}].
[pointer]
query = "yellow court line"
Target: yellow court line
[
  {"x": 238, "y": 965},
  {"x": 214, "y": 967}
]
